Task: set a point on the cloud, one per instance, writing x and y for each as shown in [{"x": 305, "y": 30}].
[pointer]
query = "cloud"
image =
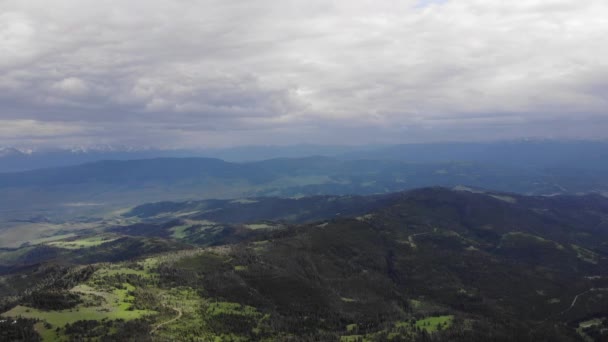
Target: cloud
[
  {"x": 71, "y": 86},
  {"x": 190, "y": 73}
]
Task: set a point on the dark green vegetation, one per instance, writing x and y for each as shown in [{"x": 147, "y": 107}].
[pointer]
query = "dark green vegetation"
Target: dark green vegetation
[{"x": 425, "y": 265}]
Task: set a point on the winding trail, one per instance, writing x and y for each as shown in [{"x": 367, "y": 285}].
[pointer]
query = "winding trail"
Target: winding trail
[
  {"x": 593, "y": 289},
  {"x": 410, "y": 239},
  {"x": 574, "y": 302},
  {"x": 158, "y": 326}
]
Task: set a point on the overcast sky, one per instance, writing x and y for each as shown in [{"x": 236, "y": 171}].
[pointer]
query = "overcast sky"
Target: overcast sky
[{"x": 180, "y": 73}]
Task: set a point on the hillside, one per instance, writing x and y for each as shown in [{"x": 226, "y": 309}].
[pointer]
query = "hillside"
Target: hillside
[{"x": 431, "y": 263}]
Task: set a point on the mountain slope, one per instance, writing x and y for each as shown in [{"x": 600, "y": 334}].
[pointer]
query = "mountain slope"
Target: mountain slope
[{"x": 428, "y": 264}]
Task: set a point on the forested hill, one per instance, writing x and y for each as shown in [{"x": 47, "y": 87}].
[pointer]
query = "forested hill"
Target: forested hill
[{"x": 430, "y": 264}]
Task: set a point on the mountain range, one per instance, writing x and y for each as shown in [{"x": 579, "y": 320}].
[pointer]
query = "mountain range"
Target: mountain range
[
  {"x": 537, "y": 153},
  {"x": 116, "y": 184}
]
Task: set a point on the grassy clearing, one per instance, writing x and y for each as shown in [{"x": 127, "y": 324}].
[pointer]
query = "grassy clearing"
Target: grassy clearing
[
  {"x": 593, "y": 323},
  {"x": 513, "y": 239},
  {"x": 179, "y": 232},
  {"x": 83, "y": 243},
  {"x": 102, "y": 299},
  {"x": 432, "y": 324},
  {"x": 504, "y": 198},
  {"x": 585, "y": 254},
  {"x": 14, "y": 235},
  {"x": 402, "y": 331},
  {"x": 116, "y": 305},
  {"x": 352, "y": 327},
  {"x": 201, "y": 318},
  {"x": 255, "y": 226},
  {"x": 62, "y": 317},
  {"x": 366, "y": 217},
  {"x": 187, "y": 301},
  {"x": 52, "y": 239}
]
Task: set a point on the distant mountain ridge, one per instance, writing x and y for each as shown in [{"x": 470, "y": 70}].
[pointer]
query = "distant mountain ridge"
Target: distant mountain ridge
[
  {"x": 130, "y": 182},
  {"x": 536, "y": 153}
]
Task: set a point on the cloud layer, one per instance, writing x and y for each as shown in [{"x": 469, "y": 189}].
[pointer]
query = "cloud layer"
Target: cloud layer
[{"x": 214, "y": 73}]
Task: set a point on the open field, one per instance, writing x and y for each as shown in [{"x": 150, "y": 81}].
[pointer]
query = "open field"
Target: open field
[
  {"x": 82, "y": 243},
  {"x": 432, "y": 324},
  {"x": 101, "y": 298},
  {"x": 116, "y": 305}
]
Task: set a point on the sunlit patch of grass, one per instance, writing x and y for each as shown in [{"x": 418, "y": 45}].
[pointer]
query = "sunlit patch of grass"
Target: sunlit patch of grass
[
  {"x": 585, "y": 254},
  {"x": 111, "y": 304},
  {"x": 588, "y": 324},
  {"x": 179, "y": 232},
  {"x": 511, "y": 239},
  {"x": 51, "y": 239},
  {"x": 59, "y": 318},
  {"x": 366, "y": 217},
  {"x": 83, "y": 243},
  {"x": 505, "y": 198},
  {"x": 228, "y": 308},
  {"x": 255, "y": 226},
  {"x": 17, "y": 234},
  {"x": 432, "y": 324}
]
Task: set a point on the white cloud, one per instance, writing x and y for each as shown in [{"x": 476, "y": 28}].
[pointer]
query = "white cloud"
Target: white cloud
[
  {"x": 206, "y": 72},
  {"x": 16, "y": 35},
  {"x": 71, "y": 86}
]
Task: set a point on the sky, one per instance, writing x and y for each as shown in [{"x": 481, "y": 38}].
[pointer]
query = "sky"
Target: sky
[{"x": 206, "y": 73}]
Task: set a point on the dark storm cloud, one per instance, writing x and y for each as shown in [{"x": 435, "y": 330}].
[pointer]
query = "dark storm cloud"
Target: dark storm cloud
[{"x": 179, "y": 73}]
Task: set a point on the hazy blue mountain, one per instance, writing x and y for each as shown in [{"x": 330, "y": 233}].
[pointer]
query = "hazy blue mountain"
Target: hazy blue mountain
[
  {"x": 14, "y": 160},
  {"x": 127, "y": 183},
  {"x": 541, "y": 153}
]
